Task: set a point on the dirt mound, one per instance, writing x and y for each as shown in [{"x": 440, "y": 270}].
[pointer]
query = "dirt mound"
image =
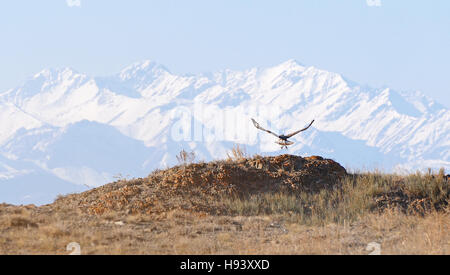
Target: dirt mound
[{"x": 194, "y": 186}]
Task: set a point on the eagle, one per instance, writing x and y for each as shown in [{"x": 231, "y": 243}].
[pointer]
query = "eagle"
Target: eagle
[{"x": 282, "y": 139}]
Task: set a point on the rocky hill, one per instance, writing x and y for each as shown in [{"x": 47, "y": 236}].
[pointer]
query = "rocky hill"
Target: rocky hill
[
  {"x": 242, "y": 205},
  {"x": 194, "y": 186}
]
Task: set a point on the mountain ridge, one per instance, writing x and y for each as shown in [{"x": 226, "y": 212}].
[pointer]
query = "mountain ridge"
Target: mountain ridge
[{"x": 396, "y": 130}]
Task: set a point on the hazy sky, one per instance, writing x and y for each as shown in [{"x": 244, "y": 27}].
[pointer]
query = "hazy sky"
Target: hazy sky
[{"x": 404, "y": 44}]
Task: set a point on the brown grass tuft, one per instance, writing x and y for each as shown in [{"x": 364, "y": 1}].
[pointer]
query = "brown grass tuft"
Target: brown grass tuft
[
  {"x": 20, "y": 221},
  {"x": 237, "y": 153}
]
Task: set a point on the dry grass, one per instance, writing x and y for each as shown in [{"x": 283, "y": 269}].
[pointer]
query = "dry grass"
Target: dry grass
[
  {"x": 356, "y": 196},
  {"x": 183, "y": 232},
  {"x": 237, "y": 153},
  {"x": 404, "y": 214},
  {"x": 185, "y": 157}
]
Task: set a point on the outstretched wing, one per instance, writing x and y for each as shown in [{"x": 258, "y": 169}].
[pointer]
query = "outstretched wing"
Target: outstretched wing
[
  {"x": 261, "y": 128},
  {"x": 294, "y": 133}
]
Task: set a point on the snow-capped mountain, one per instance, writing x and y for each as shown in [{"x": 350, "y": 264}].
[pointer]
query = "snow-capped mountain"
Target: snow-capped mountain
[{"x": 62, "y": 130}]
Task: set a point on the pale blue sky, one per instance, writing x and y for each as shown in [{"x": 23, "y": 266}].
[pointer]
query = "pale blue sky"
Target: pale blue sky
[{"x": 404, "y": 44}]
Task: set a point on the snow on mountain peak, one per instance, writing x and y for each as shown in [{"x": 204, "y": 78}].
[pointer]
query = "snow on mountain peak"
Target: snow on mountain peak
[
  {"x": 291, "y": 64},
  {"x": 287, "y": 68},
  {"x": 49, "y": 83},
  {"x": 142, "y": 69},
  {"x": 55, "y": 73}
]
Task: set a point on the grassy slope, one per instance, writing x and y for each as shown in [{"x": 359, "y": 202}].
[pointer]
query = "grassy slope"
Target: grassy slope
[{"x": 282, "y": 205}]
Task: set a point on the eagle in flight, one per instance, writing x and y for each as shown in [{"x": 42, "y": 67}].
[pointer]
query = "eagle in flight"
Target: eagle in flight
[{"x": 282, "y": 139}]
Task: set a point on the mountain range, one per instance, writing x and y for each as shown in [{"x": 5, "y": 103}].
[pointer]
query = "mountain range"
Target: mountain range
[{"x": 63, "y": 131}]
